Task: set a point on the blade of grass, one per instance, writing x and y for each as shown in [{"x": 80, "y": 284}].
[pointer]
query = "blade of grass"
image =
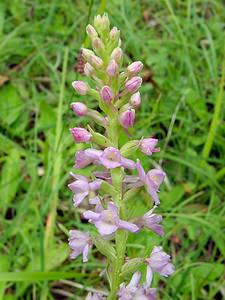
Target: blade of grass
[
  {"x": 57, "y": 158},
  {"x": 216, "y": 117}
]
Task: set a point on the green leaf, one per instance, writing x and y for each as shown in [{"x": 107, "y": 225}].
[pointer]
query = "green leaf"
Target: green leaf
[
  {"x": 11, "y": 104},
  {"x": 131, "y": 266},
  {"x": 37, "y": 276},
  {"x": 105, "y": 248},
  {"x": 107, "y": 188},
  {"x": 4, "y": 265},
  {"x": 10, "y": 177}
]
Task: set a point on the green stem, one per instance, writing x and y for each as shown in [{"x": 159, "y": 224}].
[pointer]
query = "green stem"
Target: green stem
[{"x": 121, "y": 235}]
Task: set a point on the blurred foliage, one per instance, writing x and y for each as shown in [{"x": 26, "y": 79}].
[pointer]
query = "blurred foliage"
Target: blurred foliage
[{"x": 181, "y": 44}]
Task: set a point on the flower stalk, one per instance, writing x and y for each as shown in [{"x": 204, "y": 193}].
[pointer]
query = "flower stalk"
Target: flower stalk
[{"x": 111, "y": 187}]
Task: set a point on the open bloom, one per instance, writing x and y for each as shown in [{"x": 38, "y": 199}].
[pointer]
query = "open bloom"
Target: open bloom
[
  {"x": 80, "y": 135},
  {"x": 79, "y": 242},
  {"x": 91, "y": 296},
  {"x": 134, "y": 291},
  {"x": 151, "y": 180},
  {"x": 159, "y": 262},
  {"x": 82, "y": 188},
  {"x": 110, "y": 158},
  {"x": 147, "y": 146},
  {"x": 108, "y": 221},
  {"x": 151, "y": 221}
]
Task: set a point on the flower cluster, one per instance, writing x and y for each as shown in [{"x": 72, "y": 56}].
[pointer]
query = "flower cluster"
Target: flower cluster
[{"x": 117, "y": 177}]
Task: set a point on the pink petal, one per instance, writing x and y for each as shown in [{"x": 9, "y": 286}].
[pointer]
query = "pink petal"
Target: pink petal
[{"x": 78, "y": 198}]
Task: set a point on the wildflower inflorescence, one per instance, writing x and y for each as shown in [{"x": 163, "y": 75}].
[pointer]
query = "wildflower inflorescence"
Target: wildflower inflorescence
[{"x": 117, "y": 177}]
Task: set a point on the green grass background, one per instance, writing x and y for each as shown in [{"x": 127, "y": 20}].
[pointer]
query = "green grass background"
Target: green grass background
[{"x": 181, "y": 44}]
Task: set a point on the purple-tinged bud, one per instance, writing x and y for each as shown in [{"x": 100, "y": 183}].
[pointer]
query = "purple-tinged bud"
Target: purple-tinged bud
[
  {"x": 106, "y": 94},
  {"x": 92, "y": 33},
  {"x": 88, "y": 70},
  {"x": 112, "y": 68},
  {"x": 117, "y": 54},
  {"x": 80, "y": 135},
  {"x": 133, "y": 84},
  {"x": 96, "y": 61},
  {"x": 87, "y": 53},
  {"x": 114, "y": 33},
  {"x": 127, "y": 118},
  {"x": 135, "y": 68},
  {"x": 135, "y": 100},
  {"x": 98, "y": 44},
  {"x": 79, "y": 108},
  {"x": 81, "y": 87}
]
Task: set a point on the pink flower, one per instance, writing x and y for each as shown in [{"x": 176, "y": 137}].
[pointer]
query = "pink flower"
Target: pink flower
[
  {"x": 82, "y": 187},
  {"x": 112, "y": 68},
  {"x": 80, "y": 135},
  {"x": 135, "y": 68},
  {"x": 79, "y": 242},
  {"x": 94, "y": 296},
  {"x": 147, "y": 146},
  {"x": 127, "y": 118},
  {"x": 133, "y": 84},
  {"x": 135, "y": 291},
  {"x": 106, "y": 94},
  {"x": 108, "y": 221},
  {"x": 151, "y": 221},
  {"x": 79, "y": 108},
  {"x": 151, "y": 180},
  {"x": 81, "y": 87},
  {"x": 111, "y": 158},
  {"x": 158, "y": 262}
]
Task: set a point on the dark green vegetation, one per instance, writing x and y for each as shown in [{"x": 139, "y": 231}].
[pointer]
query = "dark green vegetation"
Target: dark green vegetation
[{"x": 181, "y": 44}]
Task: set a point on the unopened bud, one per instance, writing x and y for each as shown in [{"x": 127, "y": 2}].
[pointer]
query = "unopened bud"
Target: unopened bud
[
  {"x": 135, "y": 68},
  {"x": 112, "y": 68},
  {"x": 80, "y": 135},
  {"x": 81, "y": 87},
  {"x": 87, "y": 53},
  {"x": 97, "y": 44},
  {"x": 92, "y": 33},
  {"x": 79, "y": 108},
  {"x": 135, "y": 100},
  {"x": 88, "y": 70},
  {"x": 106, "y": 94},
  {"x": 117, "y": 54},
  {"x": 101, "y": 23},
  {"x": 133, "y": 84},
  {"x": 96, "y": 61},
  {"x": 114, "y": 33},
  {"x": 127, "y": 118}
]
